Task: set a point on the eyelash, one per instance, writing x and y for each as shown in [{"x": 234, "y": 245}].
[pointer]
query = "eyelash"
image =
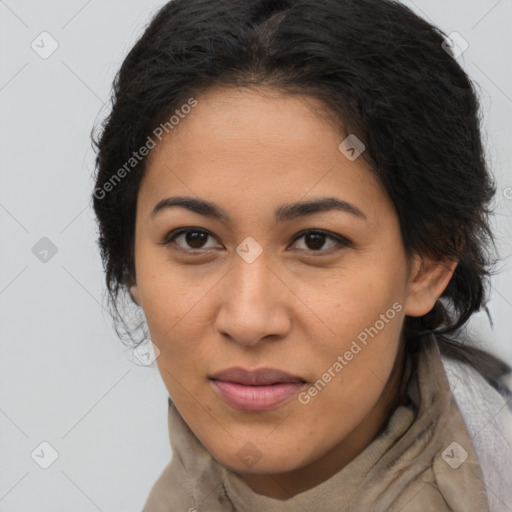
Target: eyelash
[{"x": 341, "y": 241}]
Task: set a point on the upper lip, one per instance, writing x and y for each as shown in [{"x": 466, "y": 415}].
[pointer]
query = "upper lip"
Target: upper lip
[{"x": 261, "y": 377}]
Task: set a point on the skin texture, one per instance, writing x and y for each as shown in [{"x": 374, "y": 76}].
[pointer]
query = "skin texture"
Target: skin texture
[{"x": 298, "y": 306}]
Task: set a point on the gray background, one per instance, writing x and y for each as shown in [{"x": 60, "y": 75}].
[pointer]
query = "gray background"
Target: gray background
[{"x": 64, "y": 376}]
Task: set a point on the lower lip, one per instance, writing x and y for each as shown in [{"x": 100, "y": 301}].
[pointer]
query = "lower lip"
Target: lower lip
[{"x": 256, "y": 398}]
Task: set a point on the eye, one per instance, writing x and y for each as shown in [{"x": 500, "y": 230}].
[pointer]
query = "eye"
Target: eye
[
  {"x": 314, "y": 240},
  {"x": 195, "y": 238}
]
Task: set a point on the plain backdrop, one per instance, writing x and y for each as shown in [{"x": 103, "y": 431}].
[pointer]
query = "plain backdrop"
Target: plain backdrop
[{"x": 65, "y": 378}]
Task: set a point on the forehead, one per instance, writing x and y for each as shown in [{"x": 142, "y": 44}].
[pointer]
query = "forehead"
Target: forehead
[
  {"x": 260, "y": 145},
  {"x": 226, "y": 119}
]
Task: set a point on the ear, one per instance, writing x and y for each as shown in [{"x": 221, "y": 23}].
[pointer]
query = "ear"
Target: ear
[
  {"x": 428, "y": 279},
  {"x": 134, "y": 294}
]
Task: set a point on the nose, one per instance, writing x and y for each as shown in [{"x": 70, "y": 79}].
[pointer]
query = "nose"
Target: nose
[{"x": 255, "y": 304}]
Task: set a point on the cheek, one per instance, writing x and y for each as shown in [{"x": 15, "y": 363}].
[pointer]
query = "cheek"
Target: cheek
[
  {"x": 179, "y": 326},
  {"x": 352, "y": 299},
  {"x": 170, "y": 293},
  {"x": 351, "y": 376},
  {"x": 354, "y": 352}
]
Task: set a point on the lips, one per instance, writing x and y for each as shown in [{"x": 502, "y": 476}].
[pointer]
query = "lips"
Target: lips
[
  {"x": 262, "y": 377},
  {"x": 258, "y": 390}
]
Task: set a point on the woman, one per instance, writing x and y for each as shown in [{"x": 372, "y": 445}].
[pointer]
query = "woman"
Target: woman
[{"x": 327, "y": 376}]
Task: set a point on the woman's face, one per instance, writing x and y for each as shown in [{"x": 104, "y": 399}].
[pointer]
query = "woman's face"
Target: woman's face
[{"x": 317, "y": 292}]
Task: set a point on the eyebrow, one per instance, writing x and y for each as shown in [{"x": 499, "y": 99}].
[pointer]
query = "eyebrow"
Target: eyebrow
[{"x": 284, "y": 213}]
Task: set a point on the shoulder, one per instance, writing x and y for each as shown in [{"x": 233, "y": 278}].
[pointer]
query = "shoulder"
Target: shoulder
[{"x": 488, "y": 418}]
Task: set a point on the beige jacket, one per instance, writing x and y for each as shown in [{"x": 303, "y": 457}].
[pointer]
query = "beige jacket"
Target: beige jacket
[{"x": 448, "y": 449}]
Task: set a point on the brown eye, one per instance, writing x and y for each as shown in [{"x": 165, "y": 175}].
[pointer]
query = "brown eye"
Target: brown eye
[
  {"x": 196, "y": 239},
  {"x": 189, "y": 239},
  {"x": 315, "y": 240}
]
